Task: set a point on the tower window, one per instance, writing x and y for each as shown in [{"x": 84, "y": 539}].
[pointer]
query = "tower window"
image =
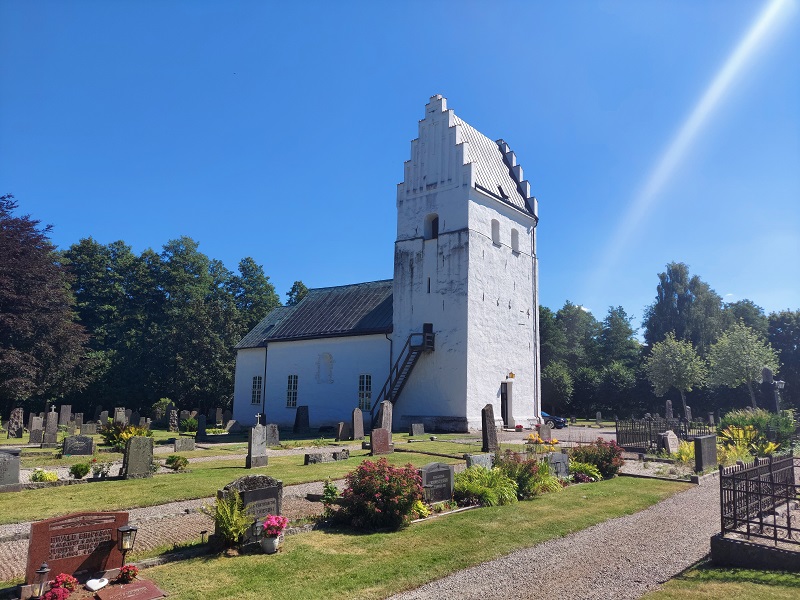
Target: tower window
[
  {"x": 495, "y": 232},
  {"x": 515, "y": 241},
  {"x": 432, "y": 227}
]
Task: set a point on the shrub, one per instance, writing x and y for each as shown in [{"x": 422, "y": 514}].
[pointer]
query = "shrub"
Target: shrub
[
  {"x": 532, "y": 476},
  {"x": 685, "y": 453},
  {"x": 189, "y": 424},
  {"x": 229, "y": 516},
  {"x": 486, "y": 487},
  {"x": 379, "y": 496},
  {"x": 176, "y": 462},
  {"x": 767, "y": 426},
  {"x": 330, "y": 496},
  {"x": 116, "y": 435},
  {"x": 582, "y": 472},
  {"x": 79, "y": 470},
  {"x": 40, "y": 475},
  {"x": 606, "y": 456}
]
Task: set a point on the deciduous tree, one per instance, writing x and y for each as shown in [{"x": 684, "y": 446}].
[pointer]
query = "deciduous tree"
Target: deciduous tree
[{"x": 673, "y": 363}]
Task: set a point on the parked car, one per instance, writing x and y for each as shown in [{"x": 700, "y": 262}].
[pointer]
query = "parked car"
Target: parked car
[{"x": 554, "y": 422}]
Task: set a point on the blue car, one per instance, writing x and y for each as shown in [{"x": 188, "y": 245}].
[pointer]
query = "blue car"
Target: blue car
[{"x": 554, "y": 422}]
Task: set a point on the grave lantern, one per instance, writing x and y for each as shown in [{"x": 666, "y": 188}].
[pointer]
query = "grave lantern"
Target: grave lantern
[
  {"x": 38, "y": 588},
  {"x": 126, "y": 539}
]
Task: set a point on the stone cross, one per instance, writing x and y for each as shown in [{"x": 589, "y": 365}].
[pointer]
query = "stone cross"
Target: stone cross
[{"x": 258, "y": 418}]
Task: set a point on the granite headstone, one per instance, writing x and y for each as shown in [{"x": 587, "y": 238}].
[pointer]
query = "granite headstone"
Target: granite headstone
[
  {"x": 16, "y": 423},
  {"x": 705, "y": 452},
  {"x": 138, "y": 458},
  {"x": 416, "y": 429},
  {"x": 78, "y": 445},
  {"x": 36, "y": 431},
  {"x": 342, "y": 431},
  {"x": 50, "y": 437},
  {"x": 64, "y": 414},
  {"x": 380, "y": 440},
  {"x": 273, "y": 435},
  {"x": 489, "y": 429},
  {"x": 9, "y": 470},
  {"x": 358, "y": 424},
  {"x": 437, "y": 482},
  {"x": 559, "y": 464},
  {"x": 183, "y": 443},
  {"x": 257, "y": 447},
  {"x": 261, "y": 496},
  {"x": 89, "y": 429},
  {"x": 480, "y": 460},
  {"x": 301, "y": 423},
  {"x": 669, "y": 442}
]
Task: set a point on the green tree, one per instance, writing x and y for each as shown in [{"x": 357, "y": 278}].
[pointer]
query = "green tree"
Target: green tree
[
  {"x": 674, "y": 363},
  {"x": 738, "y": 358},
  {"x": 750, "y": 314},
  {"x": 552, "y": 341},
  {"x": 296, "y": 294},
  {"x": 616, "y": 389},
  {"x": 557, "y": 386},
  {"x": 581, "y": 332},
  {"x": 617, "y": 341},
  {"x": 255, "y": 295},
  {"x": 43, "y": 350},
  {"x": 784, "y": 335},
  {"x": 686, "y": 306}
]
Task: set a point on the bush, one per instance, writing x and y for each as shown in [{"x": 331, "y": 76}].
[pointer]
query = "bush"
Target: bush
[
  {"x": 606, "y": 456},
  {"x": 40, "y": 475},
  {"x": 584, "y": 472},
  {"x": 116, "y": 435},
  {"x": 485, "y": 487},
  {"x": 379, "y": 496},
  {"x": 768, "y": 427},
  {"x": 532, "y": 476},
  {"x": 229, "y": 516},
  {"x": 176, "y": 462},
  {"x": 189, "y": 425},
  {"x": 685, "y": 453},
  {"x": 79, "y": 470}
]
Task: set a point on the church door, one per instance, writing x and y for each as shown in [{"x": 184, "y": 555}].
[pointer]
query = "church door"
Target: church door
[{"x": 504, "y": 405}]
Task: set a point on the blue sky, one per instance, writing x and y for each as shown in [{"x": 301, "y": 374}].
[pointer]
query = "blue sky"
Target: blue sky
[{"x": 651, "y": 131}]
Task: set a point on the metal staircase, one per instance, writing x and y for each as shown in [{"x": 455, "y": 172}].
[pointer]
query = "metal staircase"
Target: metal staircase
[{"x": 415, "y": 346}]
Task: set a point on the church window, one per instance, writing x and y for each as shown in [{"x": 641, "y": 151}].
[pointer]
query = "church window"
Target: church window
[
  {"x": 365, "y": 392},
  {"x": 255, "y": 398},
  {"x": 515, "y": 241},
  {"x": 495, "y": 232},
  {"x": 291, "y": 392},
  {"x": 432, "y": 227}
]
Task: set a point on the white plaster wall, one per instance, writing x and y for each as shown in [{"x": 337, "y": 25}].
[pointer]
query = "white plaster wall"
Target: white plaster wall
[
  {"x": 249, "y": 364},
  {"x": 503, "y": 312},
  {"x": 330, "y": 399}
]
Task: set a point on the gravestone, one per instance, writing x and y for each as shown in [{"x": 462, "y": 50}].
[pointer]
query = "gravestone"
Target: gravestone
[
  {"x": 36, "y": 430},
  {"x": 16, "y": 423},
  {"x": 80, "y": 544},
  {"x": 598, "y": 418},
  {"x": 138, "y": 589},
  {"x": 144, "y": 422},
  {"x": 545, "y": 433},
  {"x": 138, "y": 459},
  {"x": 711, "y": 419},
  {"x": 9, "y": 470},
  {"x": 358, "y": 424},
  {"x": 201, "y": 427},
  {"x": 559, "y": 464},
  {"x": 301, "y": 420},
  {"x": 313, "y": 458},
  {"x": 385, "y": 415},
  {"x": 50, "y": 437},
  {"x": 488, "y": 429},
  {"x": 689, "y": 414},
  {"x": 133, "y": 418},
  {"x": 103, "y": 420},
  {"x": 573, "y": 420},
  {"x": 119, "y": 416},
  {"x": 233, "y": 426},
  {"x": 668, "y": 410},
  {"x": 342, "y": 431},
  {"x": 173, "y": 420},
  {"x": 705, "y": 452},
  {"x": 380, "y": 441},
  {"x": 256, "y": 447},
  {"x": 273, "y": 436},
  {"x": 669, "y": 442},
  {"x": 261, "y": 496},
  {"x": 64, "y": 414},
  {"x": 183, "y": 444},
  {"x": 78, "y": 445},
  {"x": 128, "y": 415},
  {"x": 184, "y": 415},
  {"x": 437, "y": 482},
  {"x": 416, "y": 429},
  {"x": 218, "y": 417},
  {"x": 227, "y": 415},
  {"x": 480, "y": 460},
  {"x": 78, "y": 421},
  {"x": 97, "y": 410},
  {"x": 89, "y": 429}
]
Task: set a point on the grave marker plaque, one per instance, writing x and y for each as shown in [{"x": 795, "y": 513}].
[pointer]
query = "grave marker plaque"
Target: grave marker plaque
[
  {"x": 416, "y": 429},
  {"x": 559, "y": 464},
  {"x": 437, "y": 482},
  {"x": 380, "y": 441},
  {"x": 138, "y": 459},
  {"x": 358, "y": 424},
  {"x": 139, "y": 589},
  {"x": 480, "y": 460},
  {"x": 261, "y": 496},
  {"x": 183, "y": 444},
  {"x": 489, "y": 429},
  {"x": 9, "y": 470},
  {"x": 78, "y": 445},
  {"x": 79, "y": 544},
  {"x": 89, "y": 429}
]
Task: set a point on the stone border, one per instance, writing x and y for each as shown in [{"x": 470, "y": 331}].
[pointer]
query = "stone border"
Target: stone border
[{"x": 728, "y": 552}]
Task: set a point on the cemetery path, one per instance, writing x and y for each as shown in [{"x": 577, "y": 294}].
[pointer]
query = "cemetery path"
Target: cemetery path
[{"x": 623, "y": 558}]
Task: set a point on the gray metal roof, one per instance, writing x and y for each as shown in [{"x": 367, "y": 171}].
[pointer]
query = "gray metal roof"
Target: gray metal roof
[
  {"x": 346, "y": 310},
  {"x": 493, "y": 173}
]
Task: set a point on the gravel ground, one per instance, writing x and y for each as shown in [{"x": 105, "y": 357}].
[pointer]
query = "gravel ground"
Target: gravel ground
[{"x": 622, "y": 559}]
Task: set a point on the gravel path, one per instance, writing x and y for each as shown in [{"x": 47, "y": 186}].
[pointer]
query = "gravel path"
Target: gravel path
[{"x": 622, "y": 559}]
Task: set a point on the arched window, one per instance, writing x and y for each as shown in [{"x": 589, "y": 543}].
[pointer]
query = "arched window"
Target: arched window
[
  {"x": 495, "y": 232},
  {"x": 515, "y": 241},
  {"x": 432, "y": 227}
]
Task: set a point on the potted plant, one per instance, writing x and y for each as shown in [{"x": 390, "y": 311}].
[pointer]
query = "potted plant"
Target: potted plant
[{"x": 271, "y": 535}]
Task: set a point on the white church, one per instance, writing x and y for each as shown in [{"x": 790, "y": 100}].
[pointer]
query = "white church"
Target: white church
[{"x": 455, "y": 329}]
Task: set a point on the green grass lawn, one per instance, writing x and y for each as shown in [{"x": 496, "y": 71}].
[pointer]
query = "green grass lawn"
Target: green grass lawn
[
  {"x": 344, "y": 565},
  {"x": 706, "y": 582}
]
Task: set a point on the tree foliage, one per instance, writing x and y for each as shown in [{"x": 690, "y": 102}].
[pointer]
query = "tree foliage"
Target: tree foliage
[
  {"x": 296, "y": 294},
  {"x": 739, "y": 357},
  {"x": 43, "y": 352},
  {"x": 784, "y": 336},
  {"x": 673, "y": 363}
]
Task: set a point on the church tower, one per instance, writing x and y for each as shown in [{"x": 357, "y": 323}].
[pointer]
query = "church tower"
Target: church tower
[{"x": 465, "y": 268}]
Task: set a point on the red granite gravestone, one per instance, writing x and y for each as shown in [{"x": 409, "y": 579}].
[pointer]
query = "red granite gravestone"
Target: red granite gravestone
[
  {"x": 140, "y": 589},
  {"x": 381, "y": 441},
  {"x": 80, "y": 544}
]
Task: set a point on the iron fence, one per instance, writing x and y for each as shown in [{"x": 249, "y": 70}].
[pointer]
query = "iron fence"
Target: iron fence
[
  {"x": 644, "y": 434},
  {"x": 759, "y": 499}
]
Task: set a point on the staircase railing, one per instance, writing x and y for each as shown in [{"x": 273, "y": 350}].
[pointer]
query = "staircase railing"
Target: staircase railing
[{"x": 398, "y": 374}]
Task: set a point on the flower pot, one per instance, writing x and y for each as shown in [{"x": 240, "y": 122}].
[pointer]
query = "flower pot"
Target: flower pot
[{"x": 270, "y": 543}]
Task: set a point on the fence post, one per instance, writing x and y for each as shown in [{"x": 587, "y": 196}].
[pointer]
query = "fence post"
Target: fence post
[{"x": 721, "y": 502}]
